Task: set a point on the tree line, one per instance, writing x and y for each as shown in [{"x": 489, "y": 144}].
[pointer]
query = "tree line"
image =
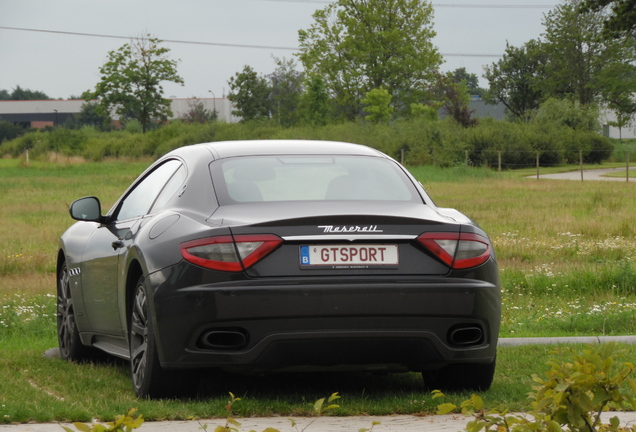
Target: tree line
[{"x": 374, "y": 61}]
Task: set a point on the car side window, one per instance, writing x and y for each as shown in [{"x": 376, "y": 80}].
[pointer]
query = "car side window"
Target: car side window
[
  {"x": 141, "y": 198},
  {"x": 173, "y": 185}
]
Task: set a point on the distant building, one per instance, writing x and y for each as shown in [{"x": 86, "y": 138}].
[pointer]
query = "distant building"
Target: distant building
[
  {"x": 42, "y": 113},
  {"x": 627, "y": 132},
  {"x": 482, "y": 109}
]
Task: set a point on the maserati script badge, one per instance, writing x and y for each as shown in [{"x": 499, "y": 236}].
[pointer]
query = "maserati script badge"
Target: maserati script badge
[{"x": 349, "y": 229}]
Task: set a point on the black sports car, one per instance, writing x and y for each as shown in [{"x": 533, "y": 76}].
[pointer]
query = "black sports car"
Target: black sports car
[{"x": 265, "y": 256}]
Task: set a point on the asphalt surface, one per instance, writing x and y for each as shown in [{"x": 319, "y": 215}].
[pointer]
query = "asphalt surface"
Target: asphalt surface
[{"x": 593, "y": 174}]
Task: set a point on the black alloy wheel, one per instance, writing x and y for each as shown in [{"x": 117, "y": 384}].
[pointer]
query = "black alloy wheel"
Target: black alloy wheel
[{"x": 149, "y": 379}]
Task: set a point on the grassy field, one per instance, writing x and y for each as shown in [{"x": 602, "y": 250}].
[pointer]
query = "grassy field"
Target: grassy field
[{"x": 566, "y": 249}]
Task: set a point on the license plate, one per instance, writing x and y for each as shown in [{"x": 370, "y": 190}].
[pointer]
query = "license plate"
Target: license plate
[{"x": 348, "y": 256}]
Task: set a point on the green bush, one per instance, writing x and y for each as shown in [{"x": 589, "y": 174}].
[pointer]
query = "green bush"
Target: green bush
[
  {"x": 9, "y": 131},
  {"x": 572, "y": 396},
  {"x": 623, "y": 149},
  {"x": 419, "y": 141}
]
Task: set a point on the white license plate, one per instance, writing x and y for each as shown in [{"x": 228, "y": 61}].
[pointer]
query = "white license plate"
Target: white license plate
[{"x": 348, "y": 255}]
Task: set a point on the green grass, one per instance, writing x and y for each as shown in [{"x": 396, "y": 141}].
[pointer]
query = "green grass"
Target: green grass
[
  {"x": 567, "y": 254},
  {"x": 40, "y": 389}
]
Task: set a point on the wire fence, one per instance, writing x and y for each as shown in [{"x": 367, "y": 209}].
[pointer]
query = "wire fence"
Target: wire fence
[{"x": 501, "y": 160}]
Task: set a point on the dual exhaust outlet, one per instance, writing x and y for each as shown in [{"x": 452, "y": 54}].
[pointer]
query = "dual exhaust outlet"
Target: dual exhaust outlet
[
  {"x": 236, "y": 339},
  {"x": 224, "y": 339},
  {"x": 465, "y": 335}
]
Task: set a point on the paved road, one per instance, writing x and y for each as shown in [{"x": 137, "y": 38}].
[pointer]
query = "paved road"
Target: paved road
[{"x": 593, "y": 174}]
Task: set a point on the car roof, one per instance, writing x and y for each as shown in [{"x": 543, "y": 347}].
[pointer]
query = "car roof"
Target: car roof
[{"x": 226, "y": 149}]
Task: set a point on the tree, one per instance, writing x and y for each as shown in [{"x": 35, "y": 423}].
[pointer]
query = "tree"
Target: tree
[
  {"x": 314, "y": 103},
  {"x": 455, "y": 98},
  {"x": 471, "y": 81},
  {"x": 377, "y": 106},
  {"x": 286, "y": 86},
  {"x": 576, "y": 53},
  {"x": 9, "y": 131},
  {"x": 131, "y": 82},
  {"x": 89, "y": 115},
  {"x": 621, "y": 22},
  {"x": 198, "y": 113},
  {"x": 569, "y": 113},
  {"x": 618, "y": 81},
  {"x": 360, "y": 45},
  {"x": 249, "y": 93},
  {"x": 513, "y": 80},
  {"x": 19, "y": 93}
]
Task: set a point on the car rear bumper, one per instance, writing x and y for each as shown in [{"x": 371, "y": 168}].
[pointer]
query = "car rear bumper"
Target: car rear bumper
[{"x": 390, "y": 324}]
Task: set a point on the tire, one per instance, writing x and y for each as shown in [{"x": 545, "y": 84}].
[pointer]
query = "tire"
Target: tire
[
  {"x": 460, "y": 377},
  {"x": 71, "y": 347},
  {"x": 149, "y": 379}
]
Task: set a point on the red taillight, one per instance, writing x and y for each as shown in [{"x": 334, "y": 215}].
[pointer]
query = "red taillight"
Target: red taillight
[
  {"x": 227, "y": 253},
  {"x": 458, "y": 250}
]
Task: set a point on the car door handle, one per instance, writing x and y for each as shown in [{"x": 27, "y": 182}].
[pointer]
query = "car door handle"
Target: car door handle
[{"x": 117, "y": 244}]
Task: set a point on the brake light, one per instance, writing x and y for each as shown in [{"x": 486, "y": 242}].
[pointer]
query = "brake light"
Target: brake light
[
  {"x": 458, "y": 250},
  {"x": 227, "y": 253}
]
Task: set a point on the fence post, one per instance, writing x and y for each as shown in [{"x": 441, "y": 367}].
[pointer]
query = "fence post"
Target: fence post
[
  {"x": 499, "y": 159},
  {"x": 537, "y": 165},
  {"x": 402, "y": 156},
  {"x": 627, "y": 169},
  {"x": 581, "y": 163},
  {"x": 466, "y": 156}
]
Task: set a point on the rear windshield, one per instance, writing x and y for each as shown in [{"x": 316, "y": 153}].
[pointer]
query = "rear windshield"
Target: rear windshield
[{"x": 310, "y": 178}]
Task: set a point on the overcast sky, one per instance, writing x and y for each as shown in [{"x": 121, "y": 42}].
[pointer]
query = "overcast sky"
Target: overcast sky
[{"x": 470, "y": 34}]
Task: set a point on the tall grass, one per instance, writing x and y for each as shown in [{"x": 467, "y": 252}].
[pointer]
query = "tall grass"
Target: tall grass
[{"x": 35, "y": 200}]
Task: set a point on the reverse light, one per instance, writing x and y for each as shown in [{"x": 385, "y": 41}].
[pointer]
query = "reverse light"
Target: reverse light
[
  {"x": 458, "y": 250},
  {"x": 228, "y": 253}
]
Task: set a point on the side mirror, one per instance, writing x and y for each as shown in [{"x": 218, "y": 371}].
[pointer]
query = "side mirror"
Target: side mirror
[{"x": 86, "y": 209}]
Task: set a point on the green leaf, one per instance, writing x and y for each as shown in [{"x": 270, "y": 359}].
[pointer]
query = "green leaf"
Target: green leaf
[
  {"x": 333, "y": 397},
  {"x": 318, "y": 405},
  {"x": 554, "y": 427},
  {"x": 230, "y": 420},
  {"x": 437, "y": 394},
  {"x": 615, "y": 422},
  {"x": 446, "y": 408},
  {"x": 478, "y": 402},
  {"x": 82, "y": 427}
]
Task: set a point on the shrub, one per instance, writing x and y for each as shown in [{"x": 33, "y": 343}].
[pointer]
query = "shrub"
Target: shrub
[
  {"x": 574, "y": 394},
  {"x": 419, "y": 140}
]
